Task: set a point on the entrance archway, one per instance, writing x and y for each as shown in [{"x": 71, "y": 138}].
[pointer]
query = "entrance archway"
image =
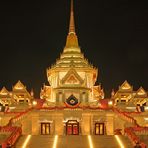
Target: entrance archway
[
  {"x": 99, "y": 128},
  {"x": 72, "y": 127}
]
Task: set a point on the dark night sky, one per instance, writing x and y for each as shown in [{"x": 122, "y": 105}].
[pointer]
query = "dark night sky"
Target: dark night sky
[{"x": 112, "y": 34}]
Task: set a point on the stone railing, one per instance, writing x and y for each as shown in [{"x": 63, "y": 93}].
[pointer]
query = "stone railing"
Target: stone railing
[
  {"x": 15, "y": 133},
  {"x": 125, "y": 116},
  {"x": 141, "y": 130},
  {"x": 18, "y": 117},
  {"x": 132, "y": 132}
]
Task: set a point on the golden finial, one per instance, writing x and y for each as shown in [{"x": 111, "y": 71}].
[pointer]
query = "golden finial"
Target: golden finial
[
  {"x": 72, "y": 40},
  {"x": 72, "y": 23}
]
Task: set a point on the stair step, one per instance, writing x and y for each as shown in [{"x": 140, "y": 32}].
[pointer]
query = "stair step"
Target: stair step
[{"x": 73, "y": 141}]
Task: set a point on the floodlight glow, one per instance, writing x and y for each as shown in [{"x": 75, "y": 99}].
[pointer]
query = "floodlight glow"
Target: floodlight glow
[
  {"x": 110, "y": 103},
  {"x": 26, "y": 141},
  {"x": 90, "y": 142},
  {"x": 55, "y": 141},
  {"x": 119, "y": 141},
  {"x": 146, "y": 119},
  {"x": 34, "y": 103}
]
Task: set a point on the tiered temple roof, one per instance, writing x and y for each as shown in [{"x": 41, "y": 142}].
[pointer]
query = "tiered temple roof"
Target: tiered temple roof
[{"x": 72, "y": 56}]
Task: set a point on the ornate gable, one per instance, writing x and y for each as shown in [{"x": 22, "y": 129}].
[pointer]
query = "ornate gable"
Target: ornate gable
[
  {"x": 141, "y": 92},
  {"x": 4, "y": 92},
  {"x": 72, "y": 77},
  {"x": 126, "y": 86},
  {"x": 19, "y": 86}
]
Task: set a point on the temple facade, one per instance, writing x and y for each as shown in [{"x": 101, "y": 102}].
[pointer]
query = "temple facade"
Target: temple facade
[{"x": 72, "y": 103}]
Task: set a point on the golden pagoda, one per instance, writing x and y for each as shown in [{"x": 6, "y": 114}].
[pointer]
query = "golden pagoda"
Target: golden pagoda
[{"x": 72, "y": 77}]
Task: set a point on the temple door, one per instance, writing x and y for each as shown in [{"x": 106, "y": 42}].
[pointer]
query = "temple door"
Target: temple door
[{"x": 72, "y": 127}]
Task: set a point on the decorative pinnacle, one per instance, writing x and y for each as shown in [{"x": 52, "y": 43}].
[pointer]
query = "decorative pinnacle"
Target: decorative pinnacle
[
  {"x": 72, "y": 40},
  {"x": 72, "y": 23}
]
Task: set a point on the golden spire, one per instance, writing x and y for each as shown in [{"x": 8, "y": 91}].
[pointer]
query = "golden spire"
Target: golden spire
[
  {"x": 72, "y": 40},
  {"x": 72, "y": 22}
]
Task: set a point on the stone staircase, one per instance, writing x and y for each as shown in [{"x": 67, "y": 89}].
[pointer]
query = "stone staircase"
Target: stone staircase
[
  {"x": 110, "y": 142},
  {"x": 103, "y": 141},
  {"x": 126, "y": 141}
]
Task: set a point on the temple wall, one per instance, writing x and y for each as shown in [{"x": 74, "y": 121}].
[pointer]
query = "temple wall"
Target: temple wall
[
  {"x": 26, "y": 125},
  {"x": 59, "y": 125},
  {"x": 86, "y": 124},
  {"x": 110, "y": 124},
  {"x": 58, "y": 119},
  {"x": 35, "y": 124}
]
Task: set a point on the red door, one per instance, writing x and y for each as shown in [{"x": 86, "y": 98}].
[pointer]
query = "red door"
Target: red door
[
  {"x": 72, "y": 127},
  {"x": 69, "y": 129},
  {"x": 75, "y": 129}
]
